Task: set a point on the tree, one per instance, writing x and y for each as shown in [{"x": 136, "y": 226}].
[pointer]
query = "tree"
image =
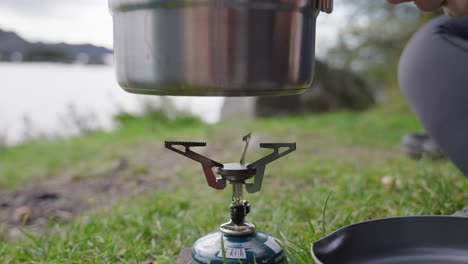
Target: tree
[{"x": 373, "y": 37}]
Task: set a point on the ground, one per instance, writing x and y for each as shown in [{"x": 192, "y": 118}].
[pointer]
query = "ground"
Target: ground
[{"x": 120, "y": 197}]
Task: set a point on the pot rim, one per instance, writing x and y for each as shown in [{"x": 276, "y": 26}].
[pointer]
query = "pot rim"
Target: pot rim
[{"x": 129, "y": 5}]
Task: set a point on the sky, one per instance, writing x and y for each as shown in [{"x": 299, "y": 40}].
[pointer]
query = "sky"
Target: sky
[
  {"x": 86, "y": 21},
  {"x": 73, "y": 21}
]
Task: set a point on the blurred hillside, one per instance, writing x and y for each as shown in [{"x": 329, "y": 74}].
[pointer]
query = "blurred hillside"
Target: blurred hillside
[{"x": 15, "y": 48}]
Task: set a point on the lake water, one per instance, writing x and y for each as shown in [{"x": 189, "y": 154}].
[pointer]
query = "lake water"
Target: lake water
[{"x": 38, "y": 98}]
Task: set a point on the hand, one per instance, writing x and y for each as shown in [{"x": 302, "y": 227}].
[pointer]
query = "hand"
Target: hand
[
  {"x": 456, "y": 8},
  {"x": 453, "y": 8}
]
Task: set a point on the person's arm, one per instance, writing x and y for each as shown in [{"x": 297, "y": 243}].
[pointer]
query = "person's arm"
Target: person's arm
[{"x": 453, "y": 8}]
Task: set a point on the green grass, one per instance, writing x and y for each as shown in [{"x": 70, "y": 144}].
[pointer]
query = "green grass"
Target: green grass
[
  {"x": 340, "y": 161},
  {"x": 87, "y": 155}
]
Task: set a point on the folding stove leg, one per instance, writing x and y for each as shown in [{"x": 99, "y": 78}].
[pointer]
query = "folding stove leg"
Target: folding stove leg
[{"x": 207, "y": 164}]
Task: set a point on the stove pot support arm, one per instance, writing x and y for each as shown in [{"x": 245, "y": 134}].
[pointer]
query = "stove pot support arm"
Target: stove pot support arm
[
  {"x": 260, "y": 164},
  {"x": 207, "y": 164}
]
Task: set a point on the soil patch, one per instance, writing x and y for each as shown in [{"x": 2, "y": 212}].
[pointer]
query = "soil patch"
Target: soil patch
[{"x": 33, "y": 207}]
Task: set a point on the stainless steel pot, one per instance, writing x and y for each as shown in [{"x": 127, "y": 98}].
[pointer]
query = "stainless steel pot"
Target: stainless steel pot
[{"x": 215, "y": 47}]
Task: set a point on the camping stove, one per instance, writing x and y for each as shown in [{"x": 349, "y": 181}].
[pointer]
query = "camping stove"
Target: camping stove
[{"x": 237, "y": 241}]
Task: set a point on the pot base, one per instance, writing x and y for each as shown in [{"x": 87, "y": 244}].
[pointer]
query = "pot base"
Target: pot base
[{"x": 214, "y": 92}]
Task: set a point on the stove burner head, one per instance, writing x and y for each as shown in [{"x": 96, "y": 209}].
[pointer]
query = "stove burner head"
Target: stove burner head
[{"x": 236, "y": 172}]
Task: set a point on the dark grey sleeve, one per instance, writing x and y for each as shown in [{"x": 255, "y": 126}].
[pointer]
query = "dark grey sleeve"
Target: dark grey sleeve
[{"x": 433, "y": 76}]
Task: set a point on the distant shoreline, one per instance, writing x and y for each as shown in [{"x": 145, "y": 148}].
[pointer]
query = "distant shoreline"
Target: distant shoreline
[
  {"x": 14, "y": 48},
  {"x": 58, "y": 64}
]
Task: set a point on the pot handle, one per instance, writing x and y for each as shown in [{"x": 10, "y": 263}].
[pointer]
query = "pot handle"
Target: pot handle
[{"x": 323, "y": 5}]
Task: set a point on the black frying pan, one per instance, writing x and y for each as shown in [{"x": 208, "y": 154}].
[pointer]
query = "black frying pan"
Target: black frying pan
[{"x": 402, "y": 240}]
